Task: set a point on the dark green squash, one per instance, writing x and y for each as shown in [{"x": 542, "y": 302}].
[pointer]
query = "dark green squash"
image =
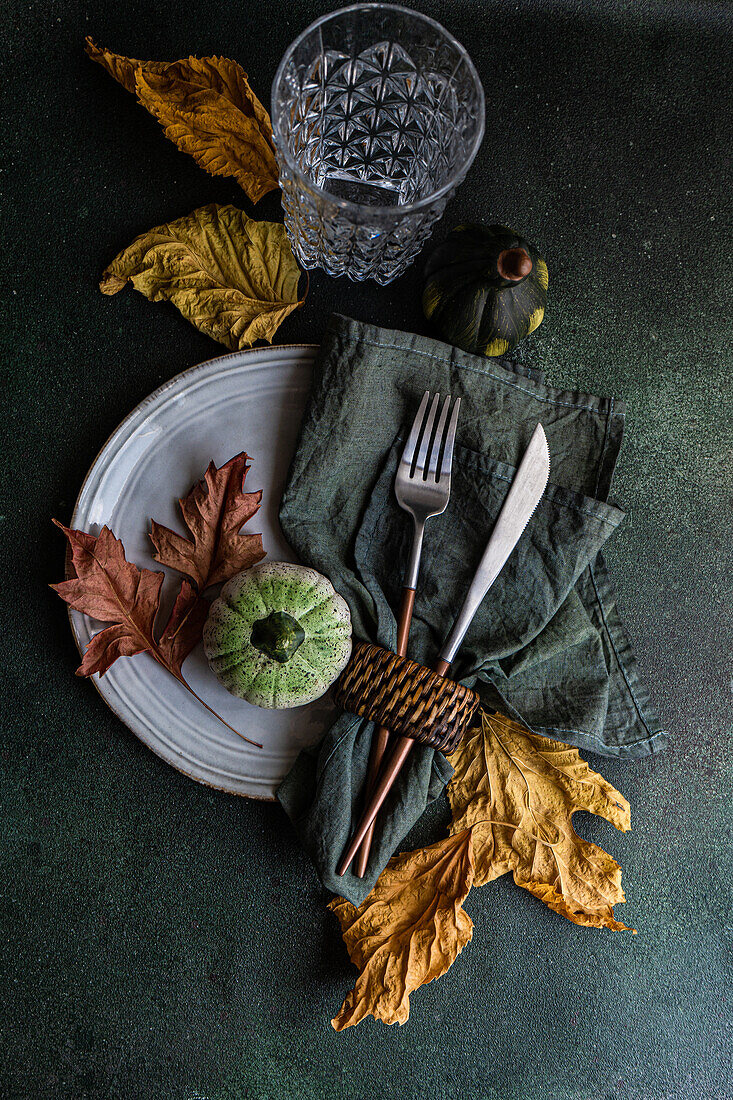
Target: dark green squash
[{"x": 485, "y": 288}]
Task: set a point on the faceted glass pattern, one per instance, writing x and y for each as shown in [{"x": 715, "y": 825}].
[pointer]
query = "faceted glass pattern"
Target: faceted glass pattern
[{"x": 377, "y": 114}]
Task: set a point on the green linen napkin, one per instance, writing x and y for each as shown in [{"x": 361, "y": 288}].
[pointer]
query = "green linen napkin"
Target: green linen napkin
[{"x": 547, "y": 645}]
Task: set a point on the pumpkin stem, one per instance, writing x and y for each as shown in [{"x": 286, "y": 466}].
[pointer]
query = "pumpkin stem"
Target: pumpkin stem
[
  {"x": 278, "y": 636},
  {"x": 514, "y": 264}
]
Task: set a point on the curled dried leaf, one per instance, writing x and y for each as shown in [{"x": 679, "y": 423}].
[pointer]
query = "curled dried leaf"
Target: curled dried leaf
[
  {"x": 232, "y": 277},
  {"x": 517, "y": 792},
  {"x": 208, "y": 109},
  {"x": 408, "y": 931},
  {"x": 120, "y": 68}
]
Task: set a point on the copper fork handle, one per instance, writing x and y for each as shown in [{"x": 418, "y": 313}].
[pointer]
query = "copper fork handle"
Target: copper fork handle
[
  {"x": 399, "y": 754},
  {"x": 403, "y": 623},
  {"x": 380, "y": 741}
]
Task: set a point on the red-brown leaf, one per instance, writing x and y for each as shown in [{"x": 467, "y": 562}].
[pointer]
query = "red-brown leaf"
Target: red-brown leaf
[
  {"x": 214, "y": 511},
  {"x": 110, "y": 588},
  {"x": 184, "y": 628}
]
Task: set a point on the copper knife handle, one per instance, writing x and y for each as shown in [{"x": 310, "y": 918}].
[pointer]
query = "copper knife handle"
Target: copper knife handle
[
  {"x": 397, "y": 758},
  {"x": 380, "y": 741}
]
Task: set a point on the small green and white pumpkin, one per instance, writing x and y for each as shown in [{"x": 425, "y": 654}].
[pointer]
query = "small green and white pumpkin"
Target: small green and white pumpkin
[{"x": 278, "y": 635}]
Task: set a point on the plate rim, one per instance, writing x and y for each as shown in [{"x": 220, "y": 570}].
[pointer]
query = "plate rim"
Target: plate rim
[{"x": 149, "y": 399}]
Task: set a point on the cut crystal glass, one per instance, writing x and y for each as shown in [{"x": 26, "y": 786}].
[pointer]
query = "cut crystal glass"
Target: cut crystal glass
[{"x": 377, "y": 115}]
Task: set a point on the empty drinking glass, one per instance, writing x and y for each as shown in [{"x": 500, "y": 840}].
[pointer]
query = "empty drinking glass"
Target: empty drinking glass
[{"x": 377, "y": 115}]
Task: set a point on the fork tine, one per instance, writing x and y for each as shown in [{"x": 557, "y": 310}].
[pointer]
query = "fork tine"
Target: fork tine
[
  {"x": 438, "y": 442},
  {"x": 427, "y": 433},
  {"x": 409, "y": 452},
  {"x": 450, "y": 439}
]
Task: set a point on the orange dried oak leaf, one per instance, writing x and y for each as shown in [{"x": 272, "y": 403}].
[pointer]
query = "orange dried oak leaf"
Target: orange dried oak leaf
[
  {"x": 517, "y": 792},
  {"x": 214, "y": 512},
  {"x": 208, "y": 109},
  {"x": 408, "y": 931},
  {"x": 109, "y": 588}
]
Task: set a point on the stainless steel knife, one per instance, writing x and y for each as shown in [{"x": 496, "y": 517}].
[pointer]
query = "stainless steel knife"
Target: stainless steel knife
[{"x": 524, "y": 495}]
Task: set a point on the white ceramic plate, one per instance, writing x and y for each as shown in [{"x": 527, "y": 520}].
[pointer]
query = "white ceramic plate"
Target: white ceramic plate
[{"x": 250, "y": 401}]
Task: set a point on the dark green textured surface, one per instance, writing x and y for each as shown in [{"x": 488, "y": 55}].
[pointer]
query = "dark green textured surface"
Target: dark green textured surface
[{"x": 163, "y": 940}]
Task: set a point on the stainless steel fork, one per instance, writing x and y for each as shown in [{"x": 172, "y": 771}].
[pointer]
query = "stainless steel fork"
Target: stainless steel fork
[{"x": 422, "y": 488}]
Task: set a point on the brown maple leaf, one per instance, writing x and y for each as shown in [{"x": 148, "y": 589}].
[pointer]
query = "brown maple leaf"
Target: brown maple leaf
[
  {"x": 408, "y": 931},
  {"x": 109, "y": 588},
  {"x": 214, "y": 511},
  {"x": 517, "y": 792}
]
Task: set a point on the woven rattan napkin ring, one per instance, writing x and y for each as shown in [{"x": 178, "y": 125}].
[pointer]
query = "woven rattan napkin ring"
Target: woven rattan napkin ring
[{"x": 405, "y": 697}]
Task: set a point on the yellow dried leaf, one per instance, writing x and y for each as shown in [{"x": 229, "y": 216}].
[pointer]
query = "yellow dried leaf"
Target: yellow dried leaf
[
  {"x": 208, "y": 109},
  {"x": 408, "y": 931},
  {"x": 517, "y": 792},
  {"x": 232, "y": 277}
]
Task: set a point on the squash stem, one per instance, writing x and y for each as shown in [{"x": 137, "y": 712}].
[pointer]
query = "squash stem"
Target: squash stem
[{"x": 514, "y": 264}]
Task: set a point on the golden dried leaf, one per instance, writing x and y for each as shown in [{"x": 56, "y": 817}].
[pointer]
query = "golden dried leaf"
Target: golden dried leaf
[
  {"x": 208, "y": 109},
  {"x": 232, "y": 277},
  {"x": 408, "y": 931},
  {"x": 517, "y": 792},
  {"x": 122, "y": 69}
]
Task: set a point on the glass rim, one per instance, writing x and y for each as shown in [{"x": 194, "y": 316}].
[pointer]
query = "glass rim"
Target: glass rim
[{"x": 363, "y": 208}]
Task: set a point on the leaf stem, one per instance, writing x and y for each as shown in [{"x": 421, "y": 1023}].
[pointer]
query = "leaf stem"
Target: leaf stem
[{"x": 182, "y": 680}]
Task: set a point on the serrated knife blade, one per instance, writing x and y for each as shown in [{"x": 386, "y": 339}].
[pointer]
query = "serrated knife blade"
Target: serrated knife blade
[{"x": 524, "y": 495}]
